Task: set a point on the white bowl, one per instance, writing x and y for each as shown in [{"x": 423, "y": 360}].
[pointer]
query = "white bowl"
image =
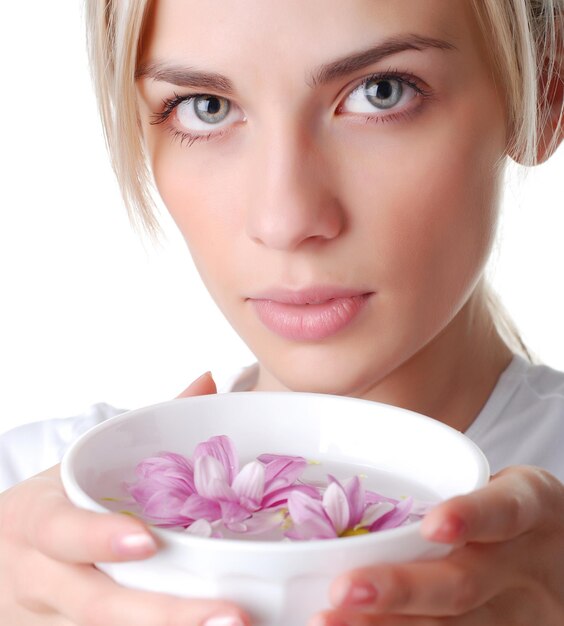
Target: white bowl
[{"x": 279, "y": 583}]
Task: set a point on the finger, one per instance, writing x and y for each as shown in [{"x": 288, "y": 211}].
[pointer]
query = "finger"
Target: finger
[
  {"x": 513, "y": 503},
  {"x": 41, "y": 516},
  {"x": 88, "y": 597},
  {"x": 461, "y": 582},
  {"x": 348, "y": 618},
  {"x": 202, "y": 386},
  {"x": 509, "y": 608}
]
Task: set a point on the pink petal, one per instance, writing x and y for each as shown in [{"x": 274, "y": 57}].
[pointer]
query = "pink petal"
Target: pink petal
[
  {"x": 163, "y": 509},
  {"x": 269, "y": 458},
  {"x": 372, "y": 497},
  {"x": 249, "y": 484},
  {"x": 355, "y": 497},
  {"x": 198, "y": 507},
  {"x": 221, "y": 448},
  {"x": 166, "y": 470},
  {"x": 280, "y": 496},
  {"x": 394, "y": 518},
  {"x": 374, "y": 512},
  {"x": 281, "y": 471},
  {"x": 210, "y": 478},
  {"x": 261, "y": 522},
  {"x": 336, "y": 506},
  {"x": 233, "y": 513},
  {"x": 309, "y": 518}
]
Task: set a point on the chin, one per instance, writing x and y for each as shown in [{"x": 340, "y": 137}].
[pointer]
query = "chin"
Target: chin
[{"x": 329, "y": 375}]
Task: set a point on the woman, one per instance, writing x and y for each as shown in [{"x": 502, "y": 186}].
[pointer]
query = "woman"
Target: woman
[{"x": 336, "y": 172}]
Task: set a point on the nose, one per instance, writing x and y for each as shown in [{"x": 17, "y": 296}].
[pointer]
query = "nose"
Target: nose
[{"x": 292, "y": 200}]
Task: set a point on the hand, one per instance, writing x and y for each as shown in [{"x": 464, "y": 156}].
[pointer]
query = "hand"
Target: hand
[
  {"x": 47, "y": 548},
  {"x": 507, "y": 568}
]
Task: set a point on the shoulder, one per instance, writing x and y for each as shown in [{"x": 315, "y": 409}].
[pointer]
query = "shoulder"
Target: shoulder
[
  {"x": 523, "y": 420},
  {"x": 32, "y": 448}
]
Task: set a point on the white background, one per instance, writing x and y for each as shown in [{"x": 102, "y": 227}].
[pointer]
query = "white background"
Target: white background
[{"x": 89, "y": 313}]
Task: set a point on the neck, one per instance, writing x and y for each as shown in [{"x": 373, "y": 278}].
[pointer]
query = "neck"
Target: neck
[{"x": 454, "y": 375}]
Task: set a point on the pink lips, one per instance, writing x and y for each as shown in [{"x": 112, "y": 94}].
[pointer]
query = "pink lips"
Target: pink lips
[{"x": 308, "y": 315}]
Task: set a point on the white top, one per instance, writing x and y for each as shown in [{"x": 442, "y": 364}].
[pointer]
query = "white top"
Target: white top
[{"x": 521, "y": 423}]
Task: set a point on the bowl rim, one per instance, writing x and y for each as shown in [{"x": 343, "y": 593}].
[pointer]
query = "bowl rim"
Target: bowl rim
[{"x": 174, "y": 537}]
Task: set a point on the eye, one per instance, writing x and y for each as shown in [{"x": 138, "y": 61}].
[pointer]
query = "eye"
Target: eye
[
  {"x": 380, "y": 93},
  {"x": 198, "y": 116},
  {"x": 198, "y": 113}
]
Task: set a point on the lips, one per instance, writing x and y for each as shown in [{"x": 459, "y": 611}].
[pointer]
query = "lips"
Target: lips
[{"x": 308, "y": 315}]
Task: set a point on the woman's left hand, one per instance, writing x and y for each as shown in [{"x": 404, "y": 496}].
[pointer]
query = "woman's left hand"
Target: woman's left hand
[{"x": 507, "y": 568}]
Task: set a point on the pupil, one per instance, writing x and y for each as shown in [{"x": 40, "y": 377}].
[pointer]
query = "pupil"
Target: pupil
[
  {"x": 212, "y": 105},
  {"x": 384, "y": 90}
]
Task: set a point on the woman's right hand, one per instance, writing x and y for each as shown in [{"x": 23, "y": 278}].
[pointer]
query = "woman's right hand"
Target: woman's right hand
[{"x": 47, "y": 551}]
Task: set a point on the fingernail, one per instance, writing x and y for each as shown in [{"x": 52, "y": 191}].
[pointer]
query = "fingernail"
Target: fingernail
[
  {"x": 355, "y": 594},
  {"x": 207, "y": 374},
  {"x": 134, "y": 544},
  {"x": 446, "y": 531},
  {"x": 224, "y": 620}
]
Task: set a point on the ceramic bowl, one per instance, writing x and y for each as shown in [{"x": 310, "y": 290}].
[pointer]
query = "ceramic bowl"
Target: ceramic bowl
[{"x": 280, "y": 583}]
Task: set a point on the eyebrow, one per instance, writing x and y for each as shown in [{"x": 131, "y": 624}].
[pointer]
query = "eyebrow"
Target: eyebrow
[
  {"x": 185, "y": 77},
  {"x": 190, "y": 77},
  {"x": 360, "y": 60}
]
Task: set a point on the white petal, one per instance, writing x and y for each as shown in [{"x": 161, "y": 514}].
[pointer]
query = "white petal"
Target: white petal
[
  {"x": 337, "y": 507},
  {"x": 249, "y": 482},
  {"x": 200, "y": 528},
  {"x": 210, "y": 479},
  {"x": 374, "y": 512}
]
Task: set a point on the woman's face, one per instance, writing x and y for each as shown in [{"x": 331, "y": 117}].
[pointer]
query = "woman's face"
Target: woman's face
[{"x": 333, "y": 167}]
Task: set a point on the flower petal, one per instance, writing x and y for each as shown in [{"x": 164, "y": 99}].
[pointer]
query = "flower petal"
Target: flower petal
[
  {"x": 249, "y": 484},
  {"x": 309, "y": 519},
  {"x": 394, "y": 518},
  {"x": 281, "y": 471},
  {"x": 164, "y": 509},
  {"x": 374, "y": 512},
  {"x": 232, "y": 513},
  {"x": 336, "y": 506},
  {"x": 261, "y": 522},
  {"x": 169, "y": 470},
  {"x": 280, "y": 496},
  {"x": 355, "y": 497},
  {"x": 198, "y": 507},
  {"x": 210, "y": 478},
  {"x": 200, "y": 528},
  {"x": 223, "y": 449}
]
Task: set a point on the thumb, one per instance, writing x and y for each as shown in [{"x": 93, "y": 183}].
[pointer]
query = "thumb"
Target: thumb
[{"x": 202, "y": 386}]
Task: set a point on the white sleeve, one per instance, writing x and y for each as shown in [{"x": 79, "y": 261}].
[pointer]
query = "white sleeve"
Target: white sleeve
[{"x": 32, "y": 448}]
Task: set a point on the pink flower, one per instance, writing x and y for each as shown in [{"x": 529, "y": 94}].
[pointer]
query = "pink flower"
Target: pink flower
[
  {"x": 342, "y": 512},
  {"x": 243, "y": 499},
  {"x": 212, "y": 489},
  {"x": 163, "y": 485},
  {"x": 212, "y": 496}
]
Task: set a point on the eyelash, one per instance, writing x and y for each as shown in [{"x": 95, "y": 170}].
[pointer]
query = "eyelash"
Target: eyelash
[{"x": 169, "y": 105}]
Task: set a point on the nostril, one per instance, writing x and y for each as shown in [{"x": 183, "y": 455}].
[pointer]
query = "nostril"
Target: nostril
[{"x": 287, "y": 229}]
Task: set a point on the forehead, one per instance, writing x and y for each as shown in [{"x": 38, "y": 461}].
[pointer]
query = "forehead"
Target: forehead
[{"x": 249, "y": 36}]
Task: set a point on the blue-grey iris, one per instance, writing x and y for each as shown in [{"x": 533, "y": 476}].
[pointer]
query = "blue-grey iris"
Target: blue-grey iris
[
  {"x": 384, "y": 94},
  {"x": 211, "y": 109}
]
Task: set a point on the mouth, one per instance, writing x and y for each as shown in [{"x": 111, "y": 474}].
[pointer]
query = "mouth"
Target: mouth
[{"x": 309, "y": 314}]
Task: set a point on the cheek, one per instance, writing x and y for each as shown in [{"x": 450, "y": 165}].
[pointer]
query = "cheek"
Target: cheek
[
  {"x": 430, "y": 209},
  {"x": 200, "y": 196}
]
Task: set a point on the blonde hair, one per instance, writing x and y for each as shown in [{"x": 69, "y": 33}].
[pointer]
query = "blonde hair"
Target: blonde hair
[
  {"x": 114, "y": 31},
  {"x": 527, "y": 42}
]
